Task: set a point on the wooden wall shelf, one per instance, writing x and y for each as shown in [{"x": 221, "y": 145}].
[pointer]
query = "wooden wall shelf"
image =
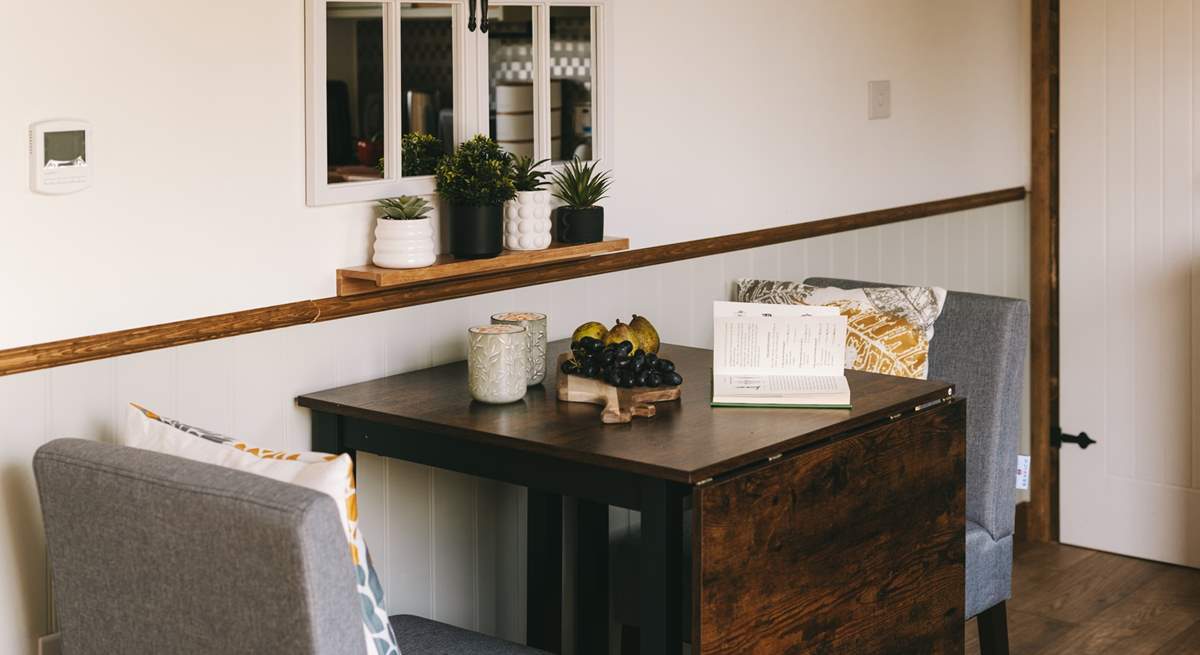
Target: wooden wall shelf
[{"x": 358, "y": 280}]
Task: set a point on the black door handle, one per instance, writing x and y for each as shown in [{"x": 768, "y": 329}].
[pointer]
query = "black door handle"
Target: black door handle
[
  {"x": 1057, "y": 438},
  {"x": 483, "y": 22},
  {"x": 471, "y": 20}
]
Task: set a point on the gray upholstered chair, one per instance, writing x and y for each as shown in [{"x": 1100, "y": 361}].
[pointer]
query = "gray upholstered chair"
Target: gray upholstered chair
[
  {"x": 152, "y": 553},
  {"x": 979, "y": 344}
]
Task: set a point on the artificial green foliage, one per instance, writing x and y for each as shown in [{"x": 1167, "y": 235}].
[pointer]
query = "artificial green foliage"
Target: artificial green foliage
[
  {"x": 405, "y": 208},
  {"x": 579, "y": 186},
  {"x": 478, "y": 174},
  {"x": 526, "y": 177},
  {"x": 420, "y": 154}
]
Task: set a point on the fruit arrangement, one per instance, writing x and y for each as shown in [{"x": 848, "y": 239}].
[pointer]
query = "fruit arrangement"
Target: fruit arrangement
[{"x": 624, "y": 356}]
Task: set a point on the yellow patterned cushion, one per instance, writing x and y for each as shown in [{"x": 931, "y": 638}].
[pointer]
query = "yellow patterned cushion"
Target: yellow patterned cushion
[
  {"x": 332, "y": 475},
  {"x": 888, "y": 328}
]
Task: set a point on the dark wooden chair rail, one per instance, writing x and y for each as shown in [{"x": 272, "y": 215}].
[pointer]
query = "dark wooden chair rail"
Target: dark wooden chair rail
[{"x": 125, "y": 342}]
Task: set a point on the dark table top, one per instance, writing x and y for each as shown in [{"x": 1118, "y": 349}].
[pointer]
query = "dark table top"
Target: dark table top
[{"x": 688, "y": 441}]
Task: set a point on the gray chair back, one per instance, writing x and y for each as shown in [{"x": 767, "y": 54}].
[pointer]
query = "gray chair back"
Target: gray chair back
[
  {"x": 152, "y": 553},
  {"x": 979, "y": 345}
]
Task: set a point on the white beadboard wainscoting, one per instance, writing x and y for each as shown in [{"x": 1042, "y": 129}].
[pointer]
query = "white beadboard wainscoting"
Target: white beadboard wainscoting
[{"x": 448, "y": 546}]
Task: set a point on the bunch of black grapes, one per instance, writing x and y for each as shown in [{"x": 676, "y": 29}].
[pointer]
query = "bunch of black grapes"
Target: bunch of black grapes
[{"x": 620, "y": 365}]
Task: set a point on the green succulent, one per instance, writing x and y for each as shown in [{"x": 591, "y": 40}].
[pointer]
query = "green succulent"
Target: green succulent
[
  {"x": 477, "y": 174},
  {"x": 405, "y": 208},
  {"x": 579, "y": 186},
  {"x": 526, "y": 176}
]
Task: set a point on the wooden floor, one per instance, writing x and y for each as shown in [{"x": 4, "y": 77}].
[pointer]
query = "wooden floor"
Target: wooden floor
[{"x": 1073, "y": 600}]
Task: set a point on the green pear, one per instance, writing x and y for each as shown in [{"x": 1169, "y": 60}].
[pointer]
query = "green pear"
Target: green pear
[
  {"x": 622, "y": 332},
  {"x": 593, "y": 329},
  {"x": 647, "y": 335}
]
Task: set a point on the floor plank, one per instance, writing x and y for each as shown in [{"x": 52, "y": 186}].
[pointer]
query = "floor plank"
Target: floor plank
[
  {"x": 1185, "y": 643},
  {"x": 1070, "y": 600}
]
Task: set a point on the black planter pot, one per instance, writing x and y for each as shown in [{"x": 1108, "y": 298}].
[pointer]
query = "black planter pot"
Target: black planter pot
[
  {"x": 580, "y": 225},
  {"x": 476, "y": 232}
]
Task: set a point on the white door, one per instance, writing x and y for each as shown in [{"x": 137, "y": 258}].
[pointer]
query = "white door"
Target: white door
[{"x": 1130, "y": 277}]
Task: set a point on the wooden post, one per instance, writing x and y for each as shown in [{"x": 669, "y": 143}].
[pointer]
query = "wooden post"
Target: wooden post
[{"x": 1041, "y": 524}]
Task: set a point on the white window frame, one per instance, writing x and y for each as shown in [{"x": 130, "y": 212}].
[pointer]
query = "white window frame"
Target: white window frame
[{"x": 472, "y": 72}]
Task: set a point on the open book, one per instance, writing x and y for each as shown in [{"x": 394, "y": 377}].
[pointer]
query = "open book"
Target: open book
[{"x": 778, "y": 356}]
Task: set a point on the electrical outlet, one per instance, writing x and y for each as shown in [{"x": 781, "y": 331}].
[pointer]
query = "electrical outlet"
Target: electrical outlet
[
  {"x": 879, "y": 99},
  {"x": 50, "y": 645}
]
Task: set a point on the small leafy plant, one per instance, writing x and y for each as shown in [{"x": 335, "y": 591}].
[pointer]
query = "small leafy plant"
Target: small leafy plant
[
  {"x": 405, "y": 208},
  {"x": 526, "y": 176},
  {"x": 420, "y": 153},
  {"x": 579, "y": 186},
  {"x": 478, "y": 174}
]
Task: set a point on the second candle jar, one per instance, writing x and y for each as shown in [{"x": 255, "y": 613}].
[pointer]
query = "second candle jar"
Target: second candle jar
[{"x": 535, "y": 327}]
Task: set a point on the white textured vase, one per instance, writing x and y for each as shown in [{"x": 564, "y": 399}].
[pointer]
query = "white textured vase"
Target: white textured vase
[
  {"x": 527, "y": 221},
  {"x": 404, "y": 243}
]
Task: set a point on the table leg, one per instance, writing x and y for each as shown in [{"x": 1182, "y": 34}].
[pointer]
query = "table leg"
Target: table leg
[
  {"x": 591, "y": 623},
  {"x": 328, "y": 435},
  {"x": 661, "y": 568},
  {"x": 543, "y": 594}
]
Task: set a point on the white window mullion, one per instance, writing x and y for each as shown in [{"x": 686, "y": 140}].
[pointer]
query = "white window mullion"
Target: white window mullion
[
  {"x": 542, "y": 118},
  {"x": 601, "y": 85},
  {"x": 480, "y": 79},
  {"x": 393, "y": 98}
]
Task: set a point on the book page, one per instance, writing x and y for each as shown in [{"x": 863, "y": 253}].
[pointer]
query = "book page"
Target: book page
[
  {"x": 777, "y": 385},
  {"x": 758, "y": 339}
]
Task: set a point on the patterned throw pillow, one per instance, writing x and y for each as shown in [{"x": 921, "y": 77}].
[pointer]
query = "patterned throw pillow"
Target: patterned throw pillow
[
  {"x": 888, "y": 328},
  {"x": 329, "y": 474}
]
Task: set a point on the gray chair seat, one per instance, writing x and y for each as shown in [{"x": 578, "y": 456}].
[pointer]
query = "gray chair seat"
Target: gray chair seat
[{"x": 418, "y": 636}]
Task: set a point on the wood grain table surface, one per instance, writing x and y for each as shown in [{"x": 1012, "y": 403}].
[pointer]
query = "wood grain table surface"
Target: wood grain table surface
[{"x": 687, "y": 442}]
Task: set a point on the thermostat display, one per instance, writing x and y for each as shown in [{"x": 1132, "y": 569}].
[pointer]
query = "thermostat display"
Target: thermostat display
[{"x": 59, "y": 159}]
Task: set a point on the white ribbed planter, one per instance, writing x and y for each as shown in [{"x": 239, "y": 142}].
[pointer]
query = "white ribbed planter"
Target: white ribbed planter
[
  {"x": 404, "y": 244},
  {"x": 527, "y": 221}
]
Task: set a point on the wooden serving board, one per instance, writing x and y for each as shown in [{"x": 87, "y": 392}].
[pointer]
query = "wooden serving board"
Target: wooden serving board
[{"x": 620, "y": 405}]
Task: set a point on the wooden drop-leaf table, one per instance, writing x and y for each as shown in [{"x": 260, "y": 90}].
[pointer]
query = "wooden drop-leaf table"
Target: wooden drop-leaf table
[{"x": 837, "y": 531}]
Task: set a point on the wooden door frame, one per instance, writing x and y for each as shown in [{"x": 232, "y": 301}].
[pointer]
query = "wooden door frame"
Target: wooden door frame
[{"x": 1041, "y": 516}]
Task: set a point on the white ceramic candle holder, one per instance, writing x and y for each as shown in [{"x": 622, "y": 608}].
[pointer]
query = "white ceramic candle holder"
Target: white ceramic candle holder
[
  {"x": 535, "y": 325},
  {"x": 497, "y": 363}
]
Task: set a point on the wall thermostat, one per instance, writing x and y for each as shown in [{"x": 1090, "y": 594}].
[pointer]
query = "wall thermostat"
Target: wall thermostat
[{"x": 59, "y": 156}]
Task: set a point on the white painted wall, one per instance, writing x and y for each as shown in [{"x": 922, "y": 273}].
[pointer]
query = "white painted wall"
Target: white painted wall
[
  {"x": 1130, "y": 281},
  {"x": 728, "y": 116},
  {"x": 447, "y": 546}
]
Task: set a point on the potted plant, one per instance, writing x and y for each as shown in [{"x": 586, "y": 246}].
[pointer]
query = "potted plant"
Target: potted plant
[
  {"x": 580, "y": 187},
  {"x": 419, "y": 154},
  {"x": 404, "y": 234},
  {"x": 476, "y": 179},
  {"x": 527, "y": 216}
]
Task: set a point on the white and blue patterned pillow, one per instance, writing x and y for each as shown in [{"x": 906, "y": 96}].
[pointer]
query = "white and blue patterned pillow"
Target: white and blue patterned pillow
[{"x": 329, "y": 474}]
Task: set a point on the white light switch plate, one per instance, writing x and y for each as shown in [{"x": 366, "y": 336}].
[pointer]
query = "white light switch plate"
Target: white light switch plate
[
  {"x": 1022, "y": 471},
  {"x": 879, "y": 99}
]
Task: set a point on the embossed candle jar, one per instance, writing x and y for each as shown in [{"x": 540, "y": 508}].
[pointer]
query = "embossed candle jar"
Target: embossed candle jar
[
  {"x": 535, "y": 324},
  {"x": 497, "y": 363}
]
